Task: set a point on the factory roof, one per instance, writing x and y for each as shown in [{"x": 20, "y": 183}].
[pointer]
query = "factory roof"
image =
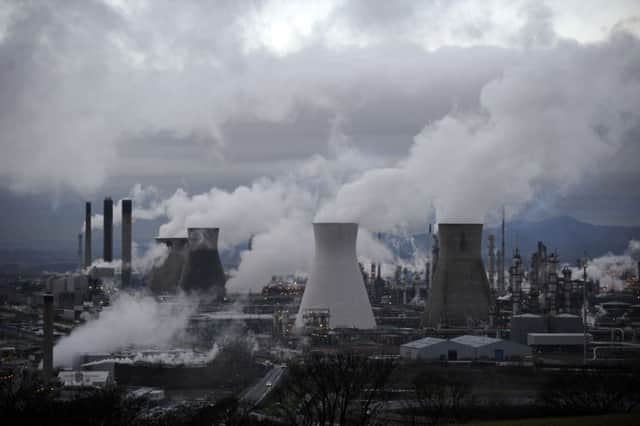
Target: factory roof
[
  {"x": 475, "y": 341},
  {"x": 84, "y": 378},
  {"x": 527, "y": 316},
  {"x": 424, "y": 342}
]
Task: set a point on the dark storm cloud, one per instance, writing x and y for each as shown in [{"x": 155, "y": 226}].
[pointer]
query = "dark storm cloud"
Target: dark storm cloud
[{"x": 100, "y": 90}]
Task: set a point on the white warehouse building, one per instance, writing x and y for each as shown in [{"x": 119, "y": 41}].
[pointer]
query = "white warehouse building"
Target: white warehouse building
[{"x": 463, "y": 348}]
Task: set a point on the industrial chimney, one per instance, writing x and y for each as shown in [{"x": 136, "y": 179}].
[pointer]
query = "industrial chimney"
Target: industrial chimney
[
  {"x": 107, "y": 241},
  {"x": 47, "y": 332},
  {"x": 460, "y": 289},
  {"x": 203, "y": 271},
  {"x": 87, "y": 235},
  {"x": 166, "y": 277},
  {"x": 336, "y": 283},
  {"x": 127, "y": 219}
]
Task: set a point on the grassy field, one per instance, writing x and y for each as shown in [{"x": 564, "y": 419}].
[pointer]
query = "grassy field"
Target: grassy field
[{"x": 609, "y": 420}]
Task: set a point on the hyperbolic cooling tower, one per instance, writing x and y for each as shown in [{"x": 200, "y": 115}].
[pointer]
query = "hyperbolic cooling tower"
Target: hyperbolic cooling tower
[
  {"x": 166, "y": 277},
  {"x": 203, "y": 271},
  {"x": 336, "y": 282},
  {"x": 460, "y": 288}
]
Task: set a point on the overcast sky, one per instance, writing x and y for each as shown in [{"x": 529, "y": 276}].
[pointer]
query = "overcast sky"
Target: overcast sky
[{"x": 535, "y": 103}]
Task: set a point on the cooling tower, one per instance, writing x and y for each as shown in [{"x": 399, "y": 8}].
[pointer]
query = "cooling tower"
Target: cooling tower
[
  {"x": 336, "y": 283},
  {"x": 203, "y": 271},
  {"x": 166, "y": 277},
  {"x": 460, "y": 288}
]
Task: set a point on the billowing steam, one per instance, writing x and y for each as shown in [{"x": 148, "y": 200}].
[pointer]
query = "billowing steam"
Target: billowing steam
[
  {"x": 143, "y": 260},
  {"x": 133, "y": 321},
  {"x": 544, "y": 124},
  {"x": 611, "y": 269}
]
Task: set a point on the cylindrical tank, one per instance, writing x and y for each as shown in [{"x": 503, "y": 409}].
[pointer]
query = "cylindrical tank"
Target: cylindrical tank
[
  {"x": 460, "y": 288},
  {"x": 336, "y": 283},
  {"x": 521, "y": 325}
]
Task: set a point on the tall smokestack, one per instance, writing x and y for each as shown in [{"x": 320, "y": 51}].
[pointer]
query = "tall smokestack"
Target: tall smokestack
[
  {"x": 87, "y": 235},
  {"x": 47, "y": 329},
  {"x": 502, "y": 259},
  {"x": 336, "y": 284},
  {"x": 127, "y": 219},
  {"x": 80, "y": 260},
  {"x": 107, "y": 241},
  {"x": 460, "y": 289}
]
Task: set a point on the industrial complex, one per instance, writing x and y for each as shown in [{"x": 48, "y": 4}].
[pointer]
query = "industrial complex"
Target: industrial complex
[{"x": 468, "y": 306}]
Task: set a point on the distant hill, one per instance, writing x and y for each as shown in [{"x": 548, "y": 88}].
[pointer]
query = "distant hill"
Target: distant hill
[{"x": 570, "y": 237}]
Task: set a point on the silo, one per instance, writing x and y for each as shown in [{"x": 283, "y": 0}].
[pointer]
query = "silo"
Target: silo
[
  {"x": 460, "y": 288},
  {"x": 522, "y": 325},
  {"x": 203, "y": 271},
  {"x": 166, "y": 277},
  {"x": 336, "y": 284}
]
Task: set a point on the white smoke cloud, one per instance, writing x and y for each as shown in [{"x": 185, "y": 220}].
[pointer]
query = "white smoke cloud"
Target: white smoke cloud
[
  {"x": 611, "y": 268},
  {"x": 172, "y": 357},
  {"x": 547, "y": 122},
  {"x": 132, "y": 321},
  {"x": 142, "y": 260}
]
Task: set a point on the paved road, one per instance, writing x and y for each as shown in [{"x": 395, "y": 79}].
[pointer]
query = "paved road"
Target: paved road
[{"x": 260, "y": 390}]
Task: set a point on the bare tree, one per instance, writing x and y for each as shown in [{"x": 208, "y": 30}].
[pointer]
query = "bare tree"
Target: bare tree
[
  {"x": 592, "y": 391},
  {"x": 438, "y": 399},
  {"x": 335, "y": 389}
]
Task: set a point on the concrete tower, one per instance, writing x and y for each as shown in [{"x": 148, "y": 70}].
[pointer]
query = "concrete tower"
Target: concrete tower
[
  {"x": 127, "y": 224},
  {"x": 107, "y": 241},
  {"x": 460, "y": 289},
  {"x": 47, "y": 331},
  {"x": 336, "y": 283},
  {"x": 87, "y": 235},
  {"x": 166, "y": 277},
  {"x": 203, "y": 271}
]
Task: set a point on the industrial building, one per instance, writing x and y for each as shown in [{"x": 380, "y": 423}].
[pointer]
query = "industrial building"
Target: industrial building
[
  {"x": 336, "y": 283},
  {"x": 459, "y": 294},
  {"x": 464, "y": 347}
]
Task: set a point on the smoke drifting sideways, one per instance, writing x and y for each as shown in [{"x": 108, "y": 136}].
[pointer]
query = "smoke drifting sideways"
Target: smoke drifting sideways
[
  {"x": 143, "y": 260},
  {"x": 132, "y": 321},
  {"x": 546, "y": 123},
  {"x": 611, "y": 268},
  {"x": 553, "y": 117}
]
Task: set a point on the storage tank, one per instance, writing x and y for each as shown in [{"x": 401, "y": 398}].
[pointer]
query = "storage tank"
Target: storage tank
[
  {"x": 336, "y": 284},
  {"x": 521, "y": 325},
  {"x": 460, "y": 288}
]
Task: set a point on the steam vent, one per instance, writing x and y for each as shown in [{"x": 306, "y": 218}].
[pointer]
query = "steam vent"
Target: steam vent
[
  {"x": 460, "y": 288},
  {"x": 203, "y": 271},
  {"x": 336, "y": 283},
  {"x": 165, "y": 278}
]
